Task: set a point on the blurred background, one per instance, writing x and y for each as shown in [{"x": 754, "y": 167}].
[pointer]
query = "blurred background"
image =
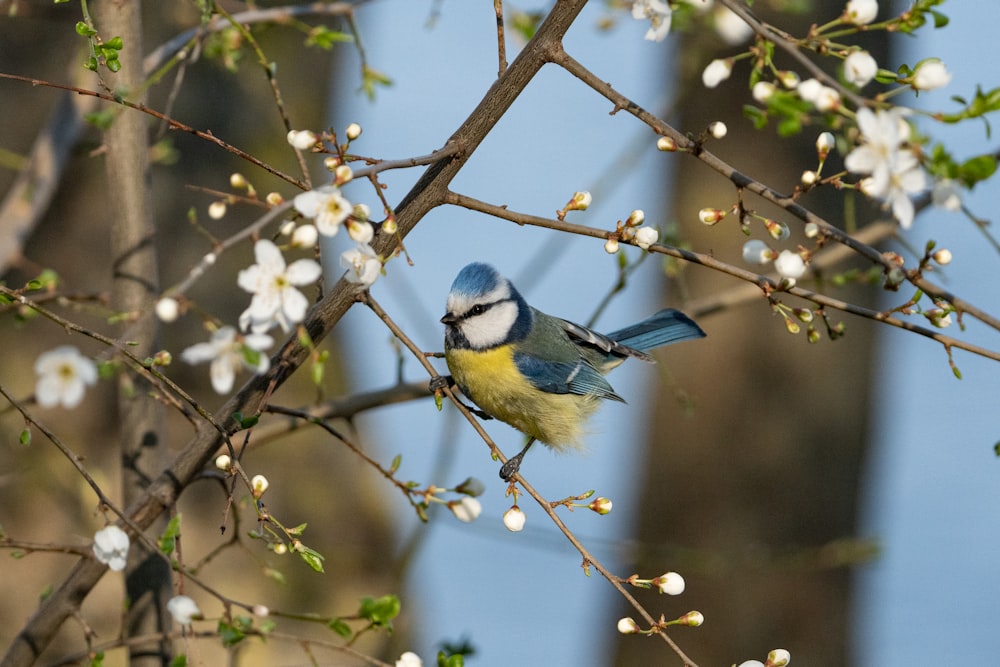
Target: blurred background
[{"x": 836, "y": 500}]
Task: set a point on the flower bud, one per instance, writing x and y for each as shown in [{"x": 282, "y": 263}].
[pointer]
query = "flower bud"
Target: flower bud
[
  {"x": 343, "y": 174},
  {"x": 611, "y": 246},
  {"x": 580, "y": 202},
  {"x": 670, "y": 583},
  {"x": 692, "y": 619},
  {"x": 808, "y": 178},
  {"x": 627, "y": 626},
  {"x": 824, "y": 144},
  {"x": 666, "y": 144},
  {"x": 353, "y": 131},
  {"x": 635, "y": 218},
  {"x": 756, "y": 251},
  {"x": 274, "y": 198},
  {"x": 763, "y": 90},
  {"x": 718, "y": 129},
  {"x": 217, "y": 210},
  {"x": 466, "y": 510},
  {"x": 942, "y": 257},
  {"x": 779, "y": 657},
  {"x": 514, "y": 518},
  {"x": 471, "y": 487},
  {"x": 238, "y": 181},
  {"x": 305, "y": 236},
  {"x": 601, "y": 505},
  {"x": 222, "y": 462},
  {"x": 259, "y": 485},
  {"x": 389, "y": 226},
  {"x": 811, "y": 230},
  {"x": 777, "y": 230},
  {"x": 167, "y": 309},
  {"x": 710, "y": 216},
  {"x": 716, "y": 72},
  {"x": 790, "y": 264},
  {"x": 646, "y": 236},
  {"x": 301, "y": 139}
]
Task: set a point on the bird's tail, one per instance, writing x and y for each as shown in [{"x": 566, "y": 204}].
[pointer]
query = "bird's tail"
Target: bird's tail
[{"x": 665, "y": 327}]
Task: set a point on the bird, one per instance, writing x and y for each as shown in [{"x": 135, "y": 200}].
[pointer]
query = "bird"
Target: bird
[{"x": 541, "y": 374}]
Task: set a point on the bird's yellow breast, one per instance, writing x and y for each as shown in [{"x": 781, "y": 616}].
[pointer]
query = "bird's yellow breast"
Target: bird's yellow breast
[{"x": 492, "y": 380}]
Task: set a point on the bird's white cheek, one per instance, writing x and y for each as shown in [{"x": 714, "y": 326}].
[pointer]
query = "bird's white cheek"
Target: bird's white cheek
[{"x": 492, "y": 327}]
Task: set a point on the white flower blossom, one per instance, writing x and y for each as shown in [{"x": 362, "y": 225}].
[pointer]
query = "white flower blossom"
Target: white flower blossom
[
  {"x": 789, "y": 264},
  {"x": 326, "y": 206},
  {"x": 779, "y": 657},
  {"x": 360, "y": 232},
  {"x": 860, "y": 68},
  {"x": 716, "y": 72},
  {"x": 63, "y": 376},
  {"x": 301, "y": 139},
  {"x": 228, "y": 354},
  {"x": 894, "y": 171},
  {"x": 658, "y": 12},
  {"x": 514, "y": 519},
  {"x": 947, "y": 194},
  {"x": 362, "y": 264},
  {"x": 183, "y": 609},
  {"x": 931, "y": 74},
  {"x": 861, "y": 12},
  {"x": 670, "y": 583},
  {"x": 111, "y": 547},
  {"x": 646, "y": 236},
  {"x": 272, "y": 283},
  {"x": 756, "y": 251},
  {"x": 409, "y": 659},
  {"x": 305, "y": 236},
  {"x": 467, "y": 509},
  {"x": 730, "y": 27},
  {"x": 763, "y": 90}
]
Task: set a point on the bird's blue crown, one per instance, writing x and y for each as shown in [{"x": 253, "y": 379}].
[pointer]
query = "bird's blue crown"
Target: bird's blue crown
[{"x": 476, "y": 279}]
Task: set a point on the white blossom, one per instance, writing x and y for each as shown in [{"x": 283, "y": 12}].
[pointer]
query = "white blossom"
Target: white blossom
[
  {"x": 790, "y": 264},
  {"x": 731, "y": 28},
  {"x": 514, "y": 519},
  {"x": 409, "y": 659},
  {"x": 63, "y": 376},
  {"x": 111, "y": 547},
  {"x": 716, "y": 72},
  {"x": 756, "y": 251},
  {"x": 658, "y": 12},
  {"x": 362, "y": 264},
  {"x": 301, "y": 139},
  {"x": 860, "y": 68},
  {"x": 229, "y": 353},
  {"x": 763, "y": 90},
  {"x": 627, "y": 626},
  {"x": 894, "y": 171},
  {"x": 467, "y": 509},
  {"x": 183, "y": 609},
  {"x": 861, "y": 12},
  {"x": 272, "y": 283},
  {"x": 931, "y": 74},
  {"x": 646, "y": 236},
  {"x": 670, "y": 583},
  {"x": 326, "y": 206},
  {"x": 947, "y": 194}
]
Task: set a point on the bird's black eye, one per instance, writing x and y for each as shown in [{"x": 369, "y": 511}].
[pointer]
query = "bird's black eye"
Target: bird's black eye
[{"x": 477, "y": 309}]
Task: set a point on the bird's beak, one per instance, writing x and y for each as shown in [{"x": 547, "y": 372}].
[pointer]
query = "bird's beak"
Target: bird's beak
[{"x": 449, "y": 319}]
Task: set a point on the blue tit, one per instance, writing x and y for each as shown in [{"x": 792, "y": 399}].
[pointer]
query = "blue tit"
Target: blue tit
[{"x": 542, "y": 375}]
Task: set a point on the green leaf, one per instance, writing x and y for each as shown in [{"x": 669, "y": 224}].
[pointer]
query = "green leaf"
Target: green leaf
[
  {"x": 168, "y": 540},
  {"x": 380, "y": 611},
  {"x": 340, "y": 627},
  {"x": 274, "y": 574},
  {"x": 230, "y": 634},
  {"x": 324, "y": 38},
  {"x": 25, "y": 437},
  {"x": 97, "y": 660},
  {"x": 115, "y": 43},
  {"x": 977, "y": 169},
  {"x": 313, "y": 558},
  {"x": 298, "y": 530},
  {"x": 84, "y": 30},
  {"x": 179, "y": 661}
]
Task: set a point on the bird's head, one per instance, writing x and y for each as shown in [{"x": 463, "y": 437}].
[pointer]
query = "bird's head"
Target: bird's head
[{"x": 484, "y": 310}]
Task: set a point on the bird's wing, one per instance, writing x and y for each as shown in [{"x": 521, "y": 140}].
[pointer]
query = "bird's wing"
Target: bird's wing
[
  {"x": 561, "y": 377},
  {"x": 582, "y": 335}
]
